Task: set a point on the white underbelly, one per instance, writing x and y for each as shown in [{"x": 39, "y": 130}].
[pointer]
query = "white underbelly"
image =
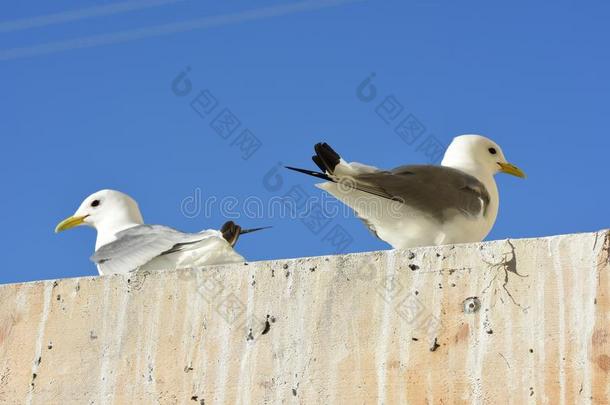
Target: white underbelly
[
  {"x": 403, "y": 227},
  {"x": 208, "y": 252}
]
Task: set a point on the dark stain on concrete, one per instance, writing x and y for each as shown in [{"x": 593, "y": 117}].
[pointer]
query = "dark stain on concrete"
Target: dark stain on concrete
[
  {"x": 603, "y": 361},
  {"x": 267, "y": 325}
]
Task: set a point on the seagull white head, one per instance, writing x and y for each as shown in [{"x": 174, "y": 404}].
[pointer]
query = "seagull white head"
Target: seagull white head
[
  {"x": 476, "y": 154},
  {"x": 108, "y": 211}
]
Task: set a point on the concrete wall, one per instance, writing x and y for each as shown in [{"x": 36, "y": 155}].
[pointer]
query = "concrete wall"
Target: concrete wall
[{"x": 520, "y": 321}]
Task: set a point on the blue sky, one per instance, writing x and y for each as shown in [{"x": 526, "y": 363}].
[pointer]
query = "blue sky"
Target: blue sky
[{"x": 103, "y": 114}]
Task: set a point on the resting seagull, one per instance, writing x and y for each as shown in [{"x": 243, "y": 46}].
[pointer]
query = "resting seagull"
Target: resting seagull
[
  {"x": 421, "y": 205},
  {"x": 124, "y": 243}
]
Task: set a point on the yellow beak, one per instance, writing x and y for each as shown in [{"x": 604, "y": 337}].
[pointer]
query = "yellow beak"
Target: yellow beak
[
  {"x": 509, "y": 168},
  {"x": 70, "y": 222}
]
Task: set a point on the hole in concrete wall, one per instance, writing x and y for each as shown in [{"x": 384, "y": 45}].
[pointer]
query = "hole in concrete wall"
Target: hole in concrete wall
[{"x": 471, "y": 305}]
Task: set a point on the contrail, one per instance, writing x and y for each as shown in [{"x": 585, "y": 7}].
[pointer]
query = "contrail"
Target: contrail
[
  {"x": 164, "y": 29},
  {"x": 75, "y": 15}
]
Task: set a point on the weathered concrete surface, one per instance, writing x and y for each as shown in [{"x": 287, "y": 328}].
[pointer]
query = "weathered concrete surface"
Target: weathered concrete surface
[{"x": 383, "y": 327}]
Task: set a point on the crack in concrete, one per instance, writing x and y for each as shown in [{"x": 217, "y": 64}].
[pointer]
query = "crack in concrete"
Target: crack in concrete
[
  {"x": 507, "y": 266},
  {"x": 605, "y": 250},
  {"x": 603, "y": 258},
  {"x": 507, "y": 364},
  {"x": 4, "y": 382}
]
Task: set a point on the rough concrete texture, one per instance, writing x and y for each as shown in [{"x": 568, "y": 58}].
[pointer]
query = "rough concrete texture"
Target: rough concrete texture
[{"x": 519, "y": 321}]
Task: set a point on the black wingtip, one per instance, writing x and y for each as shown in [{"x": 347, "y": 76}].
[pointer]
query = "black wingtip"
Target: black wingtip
[
  {"x": 316, "y": 159},
  {"x": 326, "y": 157},
  {"x": 245, "y": 231},
  {"x": 310, "y": 173},
  {"x": 231, "y": 231}
]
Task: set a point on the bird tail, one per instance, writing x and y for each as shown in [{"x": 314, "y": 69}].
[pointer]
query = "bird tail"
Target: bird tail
[
  {"x": 325, "y": 158},
  {"x": 231, "y": 231}
]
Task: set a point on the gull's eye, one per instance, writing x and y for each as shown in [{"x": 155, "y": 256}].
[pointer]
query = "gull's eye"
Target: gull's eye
[
  {"x": 95, "y": 203},
  {"x": 492, "y": 151}
]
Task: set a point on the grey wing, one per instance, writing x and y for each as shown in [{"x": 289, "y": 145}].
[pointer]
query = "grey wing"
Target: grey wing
[
  {"x": 134, "y": 247},
  {"x": 436, "y": 190}
]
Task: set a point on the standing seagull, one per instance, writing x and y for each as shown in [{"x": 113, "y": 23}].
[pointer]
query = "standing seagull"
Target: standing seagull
[
  {"x": 421, "y": 205},
  {"x": 124, "y": 243}
]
